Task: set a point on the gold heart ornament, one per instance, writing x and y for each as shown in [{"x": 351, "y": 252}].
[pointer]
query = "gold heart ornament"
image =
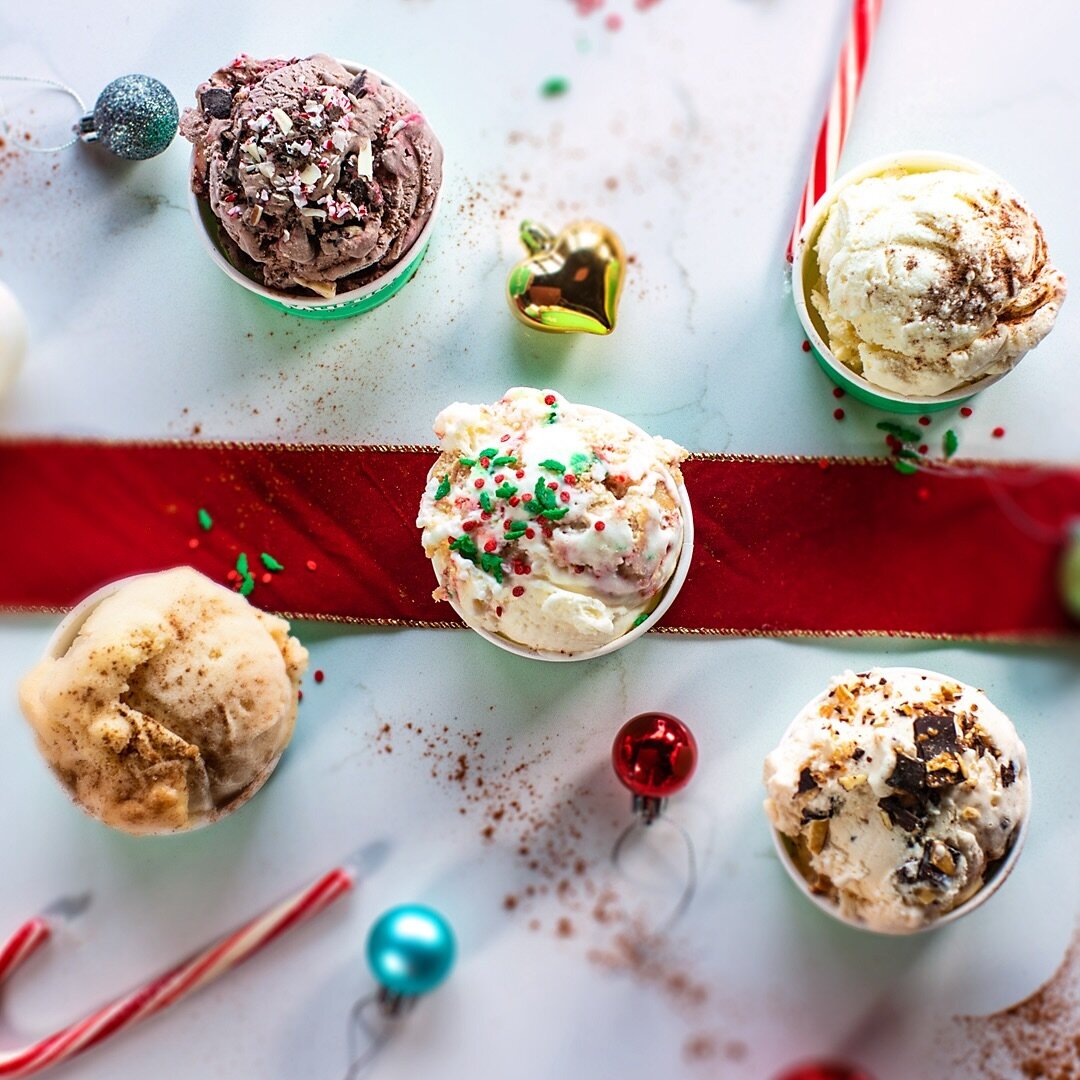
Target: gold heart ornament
[{"x": 569, "y": 283}]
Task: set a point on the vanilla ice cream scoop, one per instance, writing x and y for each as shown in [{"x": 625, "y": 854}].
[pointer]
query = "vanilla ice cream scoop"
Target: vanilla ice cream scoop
[
  {"x": 170, "y": 707},
  {"x": 933, "y": 279},
  {"x": 898, "y": 792},
  {"x": 554, "y": 525}
]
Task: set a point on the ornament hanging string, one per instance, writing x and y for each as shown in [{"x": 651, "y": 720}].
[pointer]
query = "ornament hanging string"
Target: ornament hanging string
[
  {"x": 638, "y": 827},
  {"x": 51, "y": 84}
]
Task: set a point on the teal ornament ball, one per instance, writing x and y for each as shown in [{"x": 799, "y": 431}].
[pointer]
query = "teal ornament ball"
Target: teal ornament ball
[
  {"x": 135, "y": 117},
  {"x": 410, "y": 950}
]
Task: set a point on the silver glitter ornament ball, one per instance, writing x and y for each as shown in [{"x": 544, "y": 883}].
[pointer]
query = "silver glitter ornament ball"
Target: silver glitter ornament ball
[{"x": 135, "y": 117}]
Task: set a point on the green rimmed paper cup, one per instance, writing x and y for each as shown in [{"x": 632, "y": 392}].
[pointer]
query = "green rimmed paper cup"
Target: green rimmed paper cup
[
  {"x": 667, "y": 598},
  {"x": 994, "y": 878},
  {"x": 805, "y": 277},
  {"x": 347, "y": 304}
]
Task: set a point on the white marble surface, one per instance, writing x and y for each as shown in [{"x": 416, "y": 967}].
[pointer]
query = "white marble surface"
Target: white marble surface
[{"x": 689, "y": 131}]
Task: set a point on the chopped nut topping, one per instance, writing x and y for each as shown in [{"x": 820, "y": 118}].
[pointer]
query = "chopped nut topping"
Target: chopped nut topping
[{"x": 816, "y": 836}]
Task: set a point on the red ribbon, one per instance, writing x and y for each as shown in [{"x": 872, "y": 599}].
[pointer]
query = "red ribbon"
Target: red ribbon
[{"x": 784, "y": 545}]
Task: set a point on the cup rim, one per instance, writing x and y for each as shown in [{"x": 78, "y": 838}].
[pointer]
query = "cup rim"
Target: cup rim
[
  {"x": 197, "y": 205},
  {"x": 805, "y": 245},
  {"x": 1000, "y": 871},
  {"x": 667, "y": 598}
]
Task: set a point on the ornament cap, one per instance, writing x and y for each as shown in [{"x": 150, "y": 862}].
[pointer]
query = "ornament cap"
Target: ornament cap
[
  {"x": 85, "y": 128},
  {"x": 536, "y": 237}
]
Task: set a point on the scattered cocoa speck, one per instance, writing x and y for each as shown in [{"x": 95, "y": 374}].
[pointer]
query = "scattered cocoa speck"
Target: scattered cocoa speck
[
  {"x": 612, "y": 183},
  {"x": 699, "y": 1048},
  {"x": 488, "y": 832},
  {"x": 564, "y": 928},
  {"x": 510, "y": 902}
]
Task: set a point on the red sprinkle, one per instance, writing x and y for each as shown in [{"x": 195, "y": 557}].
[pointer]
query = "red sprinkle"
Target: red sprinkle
[
  {"x": 299, "y": 695},
  {"x": 193, "y": 543},
  {"x": 490, "y": 545},
  {"x": 319, "y": 676},
  {"x": 513, "y": 500},
  {"x": 924, "y": 420},
  {"x": 966, "y": 410},
  {"x": 570, "y": 479},
  {"x": 485, "y": 461},
  {"x": 530, "y": 533},
  {"x": 838, "y": 392},
  {"x": 923, "y": 493},
  {"x": 549, "y": 400},
  {"x": 499, "y": 478},
  {"x": 232, "y": 575},
  {"x": 520, "y": 473},
  {"x": 838, "y": 414},
  {"x": 505, "y": 438},
  {"x": 479, "y": 482},
  {"x": 998, "y": 432},
  {"x": 468, "y": 526},
  {"x": 613, "y": 21},
  {"x": 498, "y": 612},
  {"x": 266, "y": 578},
  {"x": 823, "y": 463},
  {"x": 312, "y": 564},
  {"x": 599, "y": 526},
  {"x": 564, "y": 495},
  {"x": 553, "y": 485},
  {"x": 519, "y": 590},
  {"x": 924, "y": 448},
  {"x": 526, "y": 497},
  {"x": 806, "y": 346}
]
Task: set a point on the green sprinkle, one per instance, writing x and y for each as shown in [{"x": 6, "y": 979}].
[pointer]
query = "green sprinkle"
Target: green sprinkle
[
  {"x": 504, "y": 491},
  {"x": 555, "y": 86},
  {"x": 271, "y": 563},
  {"x": 489, "y": 453},
  {"x": 553, "y": 466},
  {"x": 516, "y": 530},
  {"x": 491, "y": 563},
  {"x": 640, "y": 619},
  {"x": 504, "y": 459},
  {"x": 465, "y": 546},
  {"x": 247, "y": 586},
  {"x": 904, "y": 434},
  {"x": 443, "y": 489},
  {"x": 554, "y": 513},
  {"x": 544, "y": 495},
  {"x": 905, "y": 467},
  {"x": 552, "y": 417},
  {"x": 904, "y": 452},
  {"x": 468, "y": 462},
  {"x": 951, "y": 443},
  {"x": 205, "y": 520},
  {"x": 580, "y": 462},
  {"x": 485, "y": 502},
  {"x": 242, "y": 563}
]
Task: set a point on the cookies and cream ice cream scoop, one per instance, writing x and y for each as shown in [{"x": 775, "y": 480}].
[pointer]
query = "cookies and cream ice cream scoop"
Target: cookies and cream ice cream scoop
[
  {"x": 932, "y": 278},
  {"x": 554, "y": 525},
  {"x": 170, "y": 706},
  {"x": 898, "y": 792}
]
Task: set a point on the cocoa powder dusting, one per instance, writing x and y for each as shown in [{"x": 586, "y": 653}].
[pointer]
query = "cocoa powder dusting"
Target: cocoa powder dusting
[{"x": 1037, "y": 1038}]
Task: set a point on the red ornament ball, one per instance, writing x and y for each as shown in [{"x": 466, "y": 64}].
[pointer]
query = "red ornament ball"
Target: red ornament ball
[
  {"x": 654, "y": 755},
  {"x": 825, "y": 1070}
]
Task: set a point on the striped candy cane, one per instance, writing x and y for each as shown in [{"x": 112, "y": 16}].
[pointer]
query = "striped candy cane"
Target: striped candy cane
[
  {"x": 165, "y": 990},
  {"x": 834, "y": 128}
]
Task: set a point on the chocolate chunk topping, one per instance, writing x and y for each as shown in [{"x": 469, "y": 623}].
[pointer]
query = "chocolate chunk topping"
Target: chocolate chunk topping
[
  {"x": 217, "y": 102},
  {"x": 816, "y": 815},
  {"x": 903, "y": 811},
  {"x": 934, "y": 735},
  {"x": 357, "y": 87},
  {"x": 806, "y": 781},
  {"x": 1008, "y": 774},
  {"x": 858, "y": 753},
  {"x": 909, "y": 774}
]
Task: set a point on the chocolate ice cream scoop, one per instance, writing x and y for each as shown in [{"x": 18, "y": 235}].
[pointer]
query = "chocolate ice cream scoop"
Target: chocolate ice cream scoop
[
  {"x": 168, "y": 705},
  {"x": 321, "y": 179}
]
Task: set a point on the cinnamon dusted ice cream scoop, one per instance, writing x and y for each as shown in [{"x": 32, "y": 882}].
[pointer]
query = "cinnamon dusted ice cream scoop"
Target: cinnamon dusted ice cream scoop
[
  {"x": 170, "y": 707},
  {"x": 321, "y": 179},
  {"x": 899, "y": 793},
  {"x": 933, "y": 279}
]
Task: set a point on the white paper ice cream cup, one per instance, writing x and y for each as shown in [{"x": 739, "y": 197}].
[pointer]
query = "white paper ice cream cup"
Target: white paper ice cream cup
[
  {"x": 805, "y": 275},
  {"x": 667, "y": 598},
  {"x": 994, "y": 879},
  {"x": 345, "y": 305}
]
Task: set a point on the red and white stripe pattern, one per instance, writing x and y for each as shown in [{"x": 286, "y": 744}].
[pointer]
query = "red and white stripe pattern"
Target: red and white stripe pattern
[
  {"x": 834, "y": 128},
  {"x": 165, "y": 990}
]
